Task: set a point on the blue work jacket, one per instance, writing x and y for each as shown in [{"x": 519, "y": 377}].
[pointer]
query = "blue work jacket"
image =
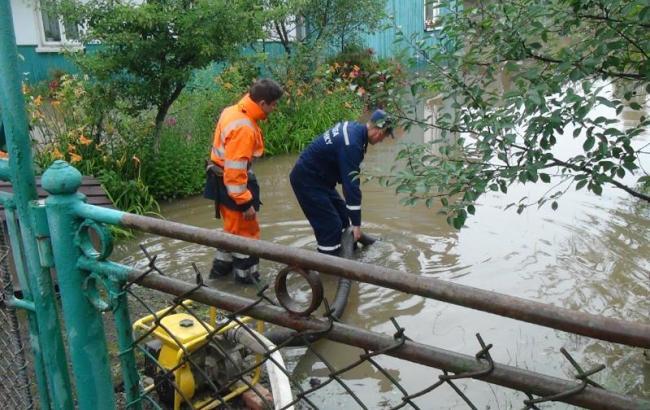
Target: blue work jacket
[{"x": 334, "y": 157}]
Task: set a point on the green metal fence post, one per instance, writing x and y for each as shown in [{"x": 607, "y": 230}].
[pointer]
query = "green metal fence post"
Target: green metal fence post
[
  {"x": 21, "y": 175},
  {"x": 84, "y": 326},
  {"x": 125, "y": 343}
]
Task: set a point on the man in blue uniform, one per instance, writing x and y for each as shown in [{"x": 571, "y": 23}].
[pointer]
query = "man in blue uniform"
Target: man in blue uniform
[{"x": 334, "y": 157}]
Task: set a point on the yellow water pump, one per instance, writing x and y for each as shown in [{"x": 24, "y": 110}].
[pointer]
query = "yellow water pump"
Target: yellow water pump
[{"x": 187, "y": 362}]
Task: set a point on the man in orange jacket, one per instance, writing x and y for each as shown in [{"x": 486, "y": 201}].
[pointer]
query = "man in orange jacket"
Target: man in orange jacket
[{"x": 230, "y": 181}]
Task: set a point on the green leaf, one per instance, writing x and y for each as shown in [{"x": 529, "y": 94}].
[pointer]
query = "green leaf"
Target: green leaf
[
  {"x": 459, "y": 220},
  {"x": 581, "y": 184},
  {"x": 554, "y": 205},
  {"x": 471, "y": 209},
  {"x": 523, "y": 176},
  {"x": 545, "y": 177},
  {"x": 588, "y": 144}
]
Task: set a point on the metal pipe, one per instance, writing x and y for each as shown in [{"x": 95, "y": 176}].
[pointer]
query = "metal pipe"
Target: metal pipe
[
  {"x": 5, "y": 172},
  {"x": 612, "y": 330},
  {"x": 21, "y": 304},
  {"x": 503, "y": 375},
  {"x": 21, "y": 173}
]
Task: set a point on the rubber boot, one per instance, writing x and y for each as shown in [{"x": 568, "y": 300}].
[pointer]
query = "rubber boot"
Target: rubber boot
[
  {"x": 222, "y": 264},
  {"x": 245, "y": 268}
]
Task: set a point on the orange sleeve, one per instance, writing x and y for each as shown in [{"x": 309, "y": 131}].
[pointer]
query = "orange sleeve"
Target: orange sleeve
[{"x": 239, "y": 146}]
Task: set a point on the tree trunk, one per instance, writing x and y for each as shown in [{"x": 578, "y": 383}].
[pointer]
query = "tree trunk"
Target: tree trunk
[
  {"x": 163, "y": 108},
  {"x": 160, "y": 118}
]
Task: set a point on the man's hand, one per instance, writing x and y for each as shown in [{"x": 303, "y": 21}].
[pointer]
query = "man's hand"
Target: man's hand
[
  {"x": 356, "y": 232},
  {"x": 249, "y": 214}
]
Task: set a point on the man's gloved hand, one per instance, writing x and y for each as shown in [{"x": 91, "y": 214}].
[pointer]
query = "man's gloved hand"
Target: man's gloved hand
[
  {"x": 249, "y": 214},
  {"x": 356, "y": 232}
]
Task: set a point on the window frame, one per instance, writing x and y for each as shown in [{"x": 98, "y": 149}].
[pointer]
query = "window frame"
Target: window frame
[
  {"x": 431, "y": 24},
  {"x": 48, "y": 46}
]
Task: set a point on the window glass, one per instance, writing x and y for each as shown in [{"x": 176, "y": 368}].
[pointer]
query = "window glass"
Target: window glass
[
  {"x": 431, "y": 14},
  {"x": 71, "y": 30},
  {"x": 51, "y": 29}
]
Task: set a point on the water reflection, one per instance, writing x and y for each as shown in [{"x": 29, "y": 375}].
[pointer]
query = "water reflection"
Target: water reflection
[{"x": 592, "y": 255}]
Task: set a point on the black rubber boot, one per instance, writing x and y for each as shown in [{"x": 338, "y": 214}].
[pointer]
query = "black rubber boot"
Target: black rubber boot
[
  {"x": 245, "y": 269},
  {"x": 220, "y": 268},
  {"x": 248, "y": 279}
]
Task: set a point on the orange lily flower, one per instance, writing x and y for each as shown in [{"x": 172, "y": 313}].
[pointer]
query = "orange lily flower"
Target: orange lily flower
[
  {"x": 84, "y": 141},
  {"x": 75, "y": 157}
]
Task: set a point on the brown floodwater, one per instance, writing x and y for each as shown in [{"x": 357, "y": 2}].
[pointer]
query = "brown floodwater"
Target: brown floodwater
[{"x": 592, "y": 255}]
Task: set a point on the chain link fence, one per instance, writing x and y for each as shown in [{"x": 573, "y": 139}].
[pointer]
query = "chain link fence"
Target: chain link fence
[
  {"x": 195, "y": 357},
  {"x": 15, "y": 386},
  {"x": 200, "y": 347}
]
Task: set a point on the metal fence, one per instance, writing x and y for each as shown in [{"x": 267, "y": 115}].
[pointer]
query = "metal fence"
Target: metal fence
[
  {"x": 15, "y": 387},
  {"x": 164, "y": 377},
  {"x": 164, "y": 381}
]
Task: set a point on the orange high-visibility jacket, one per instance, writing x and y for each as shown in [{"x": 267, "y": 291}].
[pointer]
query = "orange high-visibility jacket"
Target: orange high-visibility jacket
[{"x": 237, "y": 140}]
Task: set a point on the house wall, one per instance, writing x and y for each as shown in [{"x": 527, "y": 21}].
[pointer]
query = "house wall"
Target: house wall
[
  {"x": 409, "y": 18},
  {"x": 37, "y": 65},
  {"x": 24, "y": 16},
  {"x": 34, "y": 63}
]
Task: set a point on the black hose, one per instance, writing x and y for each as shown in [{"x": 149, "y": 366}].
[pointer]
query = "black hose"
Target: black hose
[{"x": 279, "y": 335}]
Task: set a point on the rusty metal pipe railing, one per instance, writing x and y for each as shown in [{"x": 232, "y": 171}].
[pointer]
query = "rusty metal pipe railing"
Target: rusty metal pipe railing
[
  {"x": 503, "y": 375},
  {"x": 612, "y": 330}
]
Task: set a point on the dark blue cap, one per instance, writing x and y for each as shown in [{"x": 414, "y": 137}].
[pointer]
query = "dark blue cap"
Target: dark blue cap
[{"x": 382, "y": 121}]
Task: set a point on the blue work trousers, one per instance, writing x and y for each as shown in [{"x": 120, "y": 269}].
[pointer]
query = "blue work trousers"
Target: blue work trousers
[{"x": 323, "y": 207}]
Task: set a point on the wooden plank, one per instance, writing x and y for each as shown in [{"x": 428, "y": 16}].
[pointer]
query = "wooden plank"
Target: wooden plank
[{"x": 90, "y": 186}]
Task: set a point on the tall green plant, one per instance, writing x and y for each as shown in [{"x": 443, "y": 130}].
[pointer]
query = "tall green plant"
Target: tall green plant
[
  {"x": 307, "y": 110},
  {"x": 111, "y": 147},
  {"x": 520, "y": 76}
]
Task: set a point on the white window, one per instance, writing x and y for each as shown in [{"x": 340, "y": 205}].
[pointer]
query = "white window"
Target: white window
[
  {"x": 55, "y": 33},
  {"x": 431, "y": 14}
]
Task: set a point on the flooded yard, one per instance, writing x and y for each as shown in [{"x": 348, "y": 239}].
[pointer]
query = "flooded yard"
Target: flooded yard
[{"x": 591, "y": 255}]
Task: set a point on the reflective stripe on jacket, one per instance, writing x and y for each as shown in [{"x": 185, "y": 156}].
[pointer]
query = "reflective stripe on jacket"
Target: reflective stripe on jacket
[{"x": 237, "y": 140}]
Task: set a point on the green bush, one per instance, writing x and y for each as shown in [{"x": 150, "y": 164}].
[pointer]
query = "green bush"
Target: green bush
[
  {"x": 178, "y": 170},
  {"x": 376, "y": 81},
  {"x": 305, "y": 112}
]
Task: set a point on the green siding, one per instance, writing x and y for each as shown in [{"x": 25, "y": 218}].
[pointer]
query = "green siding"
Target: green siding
[
  {"x": 35, "y": 67},
  {"x": 409, "y": 17}
]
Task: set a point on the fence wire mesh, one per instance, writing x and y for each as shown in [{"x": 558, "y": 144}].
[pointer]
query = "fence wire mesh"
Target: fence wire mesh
[
  {"x": 15, "y": 386},
  {"x": 192, "y": 359}
]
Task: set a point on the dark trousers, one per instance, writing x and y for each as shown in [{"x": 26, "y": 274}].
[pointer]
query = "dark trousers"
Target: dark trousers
[{"x": 323, "y": 207}]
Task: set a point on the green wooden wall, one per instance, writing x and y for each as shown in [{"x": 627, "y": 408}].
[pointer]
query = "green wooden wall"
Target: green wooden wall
[{"x": 408, "y": 15}]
